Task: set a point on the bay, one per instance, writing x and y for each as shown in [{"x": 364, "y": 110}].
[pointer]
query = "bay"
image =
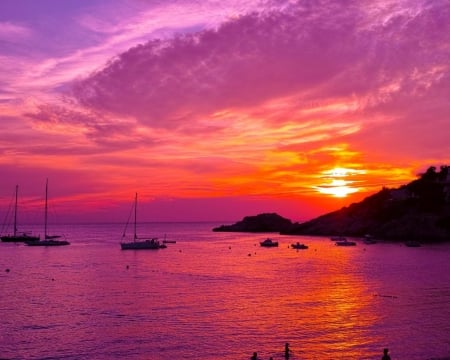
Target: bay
[{"x": 220, "y": 295}]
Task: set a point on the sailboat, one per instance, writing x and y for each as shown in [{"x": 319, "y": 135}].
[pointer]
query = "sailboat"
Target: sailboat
[
  {"x": 140, "y": 244},
  {"x": 49, "y": 240},
  {"x": 16, "y": 236}
]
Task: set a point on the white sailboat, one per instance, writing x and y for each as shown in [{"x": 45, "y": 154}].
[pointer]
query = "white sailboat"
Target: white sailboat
[
  {"x": 49, "y": 240},
  {"x": 18, "y": 236},
  {"x": 137, "y": 243}
]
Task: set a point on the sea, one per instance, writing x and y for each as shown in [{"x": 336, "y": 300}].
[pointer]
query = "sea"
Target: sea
[{"x": 215, "y": 295}]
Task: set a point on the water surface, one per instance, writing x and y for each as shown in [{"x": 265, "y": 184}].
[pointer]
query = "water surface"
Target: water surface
[{"x": 220, "y": 295}]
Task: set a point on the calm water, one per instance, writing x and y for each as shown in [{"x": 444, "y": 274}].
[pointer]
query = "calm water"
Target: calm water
[{"x": 221, "y": 296}]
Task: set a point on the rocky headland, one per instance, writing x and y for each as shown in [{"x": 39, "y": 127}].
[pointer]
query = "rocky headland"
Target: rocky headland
[{"x": 419, "y": 211}]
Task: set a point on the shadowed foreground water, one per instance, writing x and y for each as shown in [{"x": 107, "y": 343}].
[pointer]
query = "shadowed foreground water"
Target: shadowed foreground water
[{"x": 221, "y": 296}]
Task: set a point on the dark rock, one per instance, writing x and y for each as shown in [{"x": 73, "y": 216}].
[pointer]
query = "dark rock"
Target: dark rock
[{"x": 269, "y": 222}]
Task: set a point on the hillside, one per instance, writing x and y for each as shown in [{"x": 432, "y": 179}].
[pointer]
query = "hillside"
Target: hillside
[{"x": 419, "y": 210}]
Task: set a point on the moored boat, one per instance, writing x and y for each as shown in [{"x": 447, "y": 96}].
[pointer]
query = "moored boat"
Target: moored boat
[
  {"x": 299, "y": 246},
  {"x": 49, "y": 240},
  {"x": 18, "y": 236},
  {"x": 269, "y": 243},
  {"x": 138, "y": 243},
  {"x": 142, "y": 244},
  {"x": 345, "y": 243},
  {"x": 369, "y": 240}
]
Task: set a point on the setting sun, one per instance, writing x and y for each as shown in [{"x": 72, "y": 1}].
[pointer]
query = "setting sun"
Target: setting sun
[
  {"x": 337, "y": 188},
  {"x": 336, "y": 185}
]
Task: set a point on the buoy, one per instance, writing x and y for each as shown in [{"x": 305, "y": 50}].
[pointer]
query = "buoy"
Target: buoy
[{"x": 7, "y": 270}]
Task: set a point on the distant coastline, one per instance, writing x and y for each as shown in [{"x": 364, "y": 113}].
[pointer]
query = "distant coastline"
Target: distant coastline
[{"x": 418, "y": 211}]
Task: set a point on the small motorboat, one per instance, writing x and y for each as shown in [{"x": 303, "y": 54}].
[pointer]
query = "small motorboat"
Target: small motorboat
[
  {"x": 299, "y": 246},
  {"x": 345, "y": 242},
  {"x": 50, "y": 240},
  {"x": 269, "y": 243}
]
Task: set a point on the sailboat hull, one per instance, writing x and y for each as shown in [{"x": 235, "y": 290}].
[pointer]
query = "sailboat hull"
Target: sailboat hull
[
  {"x": 19, "y": 238},
  {"x": 48, "y": 243},
  {"x": 151, "y": 244}
]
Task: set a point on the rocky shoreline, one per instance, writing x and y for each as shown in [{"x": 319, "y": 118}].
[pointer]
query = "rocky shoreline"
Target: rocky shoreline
[{"x": 418, "y": 211}]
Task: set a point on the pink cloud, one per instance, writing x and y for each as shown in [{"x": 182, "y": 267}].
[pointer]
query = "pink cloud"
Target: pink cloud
[{"x": 9, "y": 31}]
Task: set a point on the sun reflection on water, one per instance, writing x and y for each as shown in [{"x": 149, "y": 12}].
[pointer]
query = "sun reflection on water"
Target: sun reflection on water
[{"x": 222, "y": 295}]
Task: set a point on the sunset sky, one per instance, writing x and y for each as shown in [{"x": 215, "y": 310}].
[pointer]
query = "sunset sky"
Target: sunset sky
[{"x": 213, "y": 110}]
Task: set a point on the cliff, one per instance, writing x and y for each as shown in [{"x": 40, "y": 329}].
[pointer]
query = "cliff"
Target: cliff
[
  {"x": 260, "y": 223},
  {"x": 419, "y": 210}
]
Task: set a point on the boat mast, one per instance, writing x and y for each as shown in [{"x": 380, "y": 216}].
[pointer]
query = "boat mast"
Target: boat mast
[
  {"x": 135, "y": 216},
  {"x": 15, "y": 212},
  {"x": 45, "y": 220}
]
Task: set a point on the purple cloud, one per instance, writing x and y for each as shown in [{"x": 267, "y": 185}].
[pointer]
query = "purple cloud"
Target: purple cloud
[
  {"x": 314, "y": 53},
  {"x": 243, "y": 63}
]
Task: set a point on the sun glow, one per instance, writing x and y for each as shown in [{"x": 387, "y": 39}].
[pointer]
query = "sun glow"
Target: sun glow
[
  {"x": 336, "y": 185},
  {"x": 337, "y": 188}
]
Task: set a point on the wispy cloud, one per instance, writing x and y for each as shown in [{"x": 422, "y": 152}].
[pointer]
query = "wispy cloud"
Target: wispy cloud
[{"x": 10, "y": 31}]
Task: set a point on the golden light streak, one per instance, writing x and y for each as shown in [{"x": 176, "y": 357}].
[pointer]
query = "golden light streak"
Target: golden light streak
[{"x": 337, "y": 186}]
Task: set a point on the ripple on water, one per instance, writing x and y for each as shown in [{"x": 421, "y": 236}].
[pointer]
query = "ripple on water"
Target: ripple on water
[{"x": 201, "y": 299}]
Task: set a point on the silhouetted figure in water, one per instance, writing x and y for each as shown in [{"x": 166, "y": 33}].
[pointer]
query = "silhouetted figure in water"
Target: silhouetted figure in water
[
  {"x": 386, "y": 355},
  {"x": 254, "y": 357},
  {"x": 287, "y": 351}
]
